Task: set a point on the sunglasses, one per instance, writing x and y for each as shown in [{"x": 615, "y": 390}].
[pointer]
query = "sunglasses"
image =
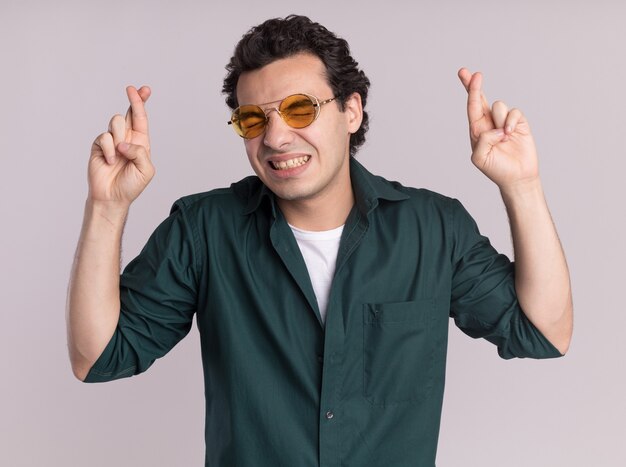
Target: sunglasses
[{"x": 297, "y": 110}]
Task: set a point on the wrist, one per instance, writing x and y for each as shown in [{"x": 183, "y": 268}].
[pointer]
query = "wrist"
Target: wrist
[
  {"x": 526, "y": 191},
  {"x": 107, "y": 213}
]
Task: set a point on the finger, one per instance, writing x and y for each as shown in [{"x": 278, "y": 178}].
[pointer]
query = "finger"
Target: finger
[
  {"x": 499, "y": 112},
  {"x": 105, "y": 143},
  {"x": 144, "y": 92},
  {"x": 486, "y": 142},
  {"x": 139, "y": 156},
  {"x": 514, "y": 117},
  {"x": 117, "y": 127},
  {"x": 136, "y": 117},
  {"x": 466, "y": 77},
  {"x": 476, "y": 107}
]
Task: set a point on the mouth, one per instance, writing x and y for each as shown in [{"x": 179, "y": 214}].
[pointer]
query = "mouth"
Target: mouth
[{"x": 289, "y": 163}]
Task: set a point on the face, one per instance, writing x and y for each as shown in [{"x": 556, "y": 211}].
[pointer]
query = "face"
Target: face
[{"x": 303, "y": 164}]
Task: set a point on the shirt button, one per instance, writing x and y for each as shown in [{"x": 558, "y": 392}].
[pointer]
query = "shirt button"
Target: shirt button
[{"x": 329, "y": 414}]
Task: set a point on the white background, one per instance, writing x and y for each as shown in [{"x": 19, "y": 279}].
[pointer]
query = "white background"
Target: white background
[{"x": 64, "y": 68}]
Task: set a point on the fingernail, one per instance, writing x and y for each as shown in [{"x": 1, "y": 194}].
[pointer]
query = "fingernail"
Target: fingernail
[
  {"x": 509, "y": 129},
  {"x": 499, "y": 132},
  {"x": 123, "y": 147}
]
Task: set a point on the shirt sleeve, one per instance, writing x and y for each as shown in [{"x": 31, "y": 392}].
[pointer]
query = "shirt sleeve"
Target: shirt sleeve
[
  {"x": 484, "y": 302},
  {"x": 158, "y": 294}
]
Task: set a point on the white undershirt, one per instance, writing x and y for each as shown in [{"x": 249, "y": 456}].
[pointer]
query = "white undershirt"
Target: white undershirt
[{"x": 319, "y": 250}]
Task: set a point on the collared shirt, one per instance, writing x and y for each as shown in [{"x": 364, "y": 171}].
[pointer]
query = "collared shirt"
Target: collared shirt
[{"x": 284, "y": 389}]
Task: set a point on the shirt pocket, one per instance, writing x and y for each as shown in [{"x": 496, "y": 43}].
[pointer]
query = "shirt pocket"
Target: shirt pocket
[{"x": 398, "y": 352}]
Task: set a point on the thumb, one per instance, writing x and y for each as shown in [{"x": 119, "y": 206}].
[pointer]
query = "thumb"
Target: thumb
[
  {"x": 486, "y": 141},
  {"x": 139, "y": 156}
]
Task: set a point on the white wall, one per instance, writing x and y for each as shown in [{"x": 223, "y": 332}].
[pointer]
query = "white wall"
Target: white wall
[{"x": 63, "y": 72}]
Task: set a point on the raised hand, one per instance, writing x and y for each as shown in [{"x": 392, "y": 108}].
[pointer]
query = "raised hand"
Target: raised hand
[
  {"x": 120, "y": 166},
  {"x": 119, "y": 169},
  {"x": 502, "y": 144},
  {"x": 504, "y": 150}
]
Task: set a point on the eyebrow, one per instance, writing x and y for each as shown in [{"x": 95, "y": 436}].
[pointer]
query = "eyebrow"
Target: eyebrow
[{"x": 278, "y": 100}]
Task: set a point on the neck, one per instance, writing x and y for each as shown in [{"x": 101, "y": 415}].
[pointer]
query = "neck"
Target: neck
[{"x": 324, "y": 212}]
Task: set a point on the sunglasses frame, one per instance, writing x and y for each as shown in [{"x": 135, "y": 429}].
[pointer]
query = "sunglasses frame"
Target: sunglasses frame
[{"x": 317, "y": 105}]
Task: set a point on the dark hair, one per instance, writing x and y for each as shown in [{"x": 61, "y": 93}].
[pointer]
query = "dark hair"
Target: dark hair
[{"x": 284, "y": 37}]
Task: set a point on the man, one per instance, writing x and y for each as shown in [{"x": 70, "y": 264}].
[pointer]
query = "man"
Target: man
[{"x": 322, "y": 292}]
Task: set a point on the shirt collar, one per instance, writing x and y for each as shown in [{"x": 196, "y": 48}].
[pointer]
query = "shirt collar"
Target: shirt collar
[{"x": 368, "y": 190}]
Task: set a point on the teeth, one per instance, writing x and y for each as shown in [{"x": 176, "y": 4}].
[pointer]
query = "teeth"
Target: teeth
[{"x": 291, "y": 163}]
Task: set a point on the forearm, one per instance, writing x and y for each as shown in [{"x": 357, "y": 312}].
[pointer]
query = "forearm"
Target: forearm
[
  {"x": 541, "y": 275},
  {"x": 93, "y": 296}
]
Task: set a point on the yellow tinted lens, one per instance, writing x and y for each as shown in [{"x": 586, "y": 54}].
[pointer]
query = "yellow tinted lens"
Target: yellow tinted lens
[
  {"x": 298, "y": 110},
  {"x": 249, "y": 121}
]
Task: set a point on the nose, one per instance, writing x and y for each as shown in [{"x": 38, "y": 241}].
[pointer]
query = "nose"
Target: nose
[{"x": 278, "y": 134}]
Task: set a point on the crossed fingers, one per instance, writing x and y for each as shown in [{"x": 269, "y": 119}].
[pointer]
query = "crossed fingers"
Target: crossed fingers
[
  {"x": 120, "y": 129},
  {"x": 481, "y": 116},
  {"x": 136, "y": 118}
]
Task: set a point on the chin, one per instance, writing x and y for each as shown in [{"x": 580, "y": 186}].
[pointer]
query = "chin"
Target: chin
[
  {"x": 289, "y": 195},
  {"x": 293, "y": 193}
]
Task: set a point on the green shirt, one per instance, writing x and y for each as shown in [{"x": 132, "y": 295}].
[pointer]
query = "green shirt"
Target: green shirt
[{"x": 282, "y": 388}]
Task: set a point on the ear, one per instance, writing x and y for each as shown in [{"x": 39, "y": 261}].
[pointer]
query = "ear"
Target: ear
[{"x": 353, "y": 110}]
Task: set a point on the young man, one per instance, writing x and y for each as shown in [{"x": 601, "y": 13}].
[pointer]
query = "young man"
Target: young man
[{"x": 322, "y": 292}]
